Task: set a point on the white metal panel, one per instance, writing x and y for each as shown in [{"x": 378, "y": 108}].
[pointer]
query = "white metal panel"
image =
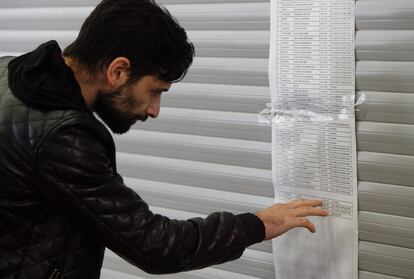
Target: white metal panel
[
  {"x": 211, "y": 16},
  {"x": 385, "y": 134},
  {"x": 208, "y": 123},
  {"x": 384, "y": 14},
  {"x": 385, "y": 45},
  {"x": 234, "y": 43},
  {"x": 386, "y": 229},
  {"x": 386, "y": 259},
  {"x": 371, "y": 275},
  {"x": 252, "y": 181},
  {"x": 243, "y": 71},
  {"x": 393, "y": 76},
  {"x": 386, "y": 168},
  {"x": 386, "y": 198},
  {"x": 386, "y": 137},
  {"x": 200, "y": 148},
  {"x": 220, "y": 97},
  {"x": 395, "y": 107}
]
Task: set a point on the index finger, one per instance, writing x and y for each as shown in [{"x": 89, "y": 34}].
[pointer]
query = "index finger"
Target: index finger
[
  {"x": 309, "y": 211},
  {"x": 307, "y": 203}
]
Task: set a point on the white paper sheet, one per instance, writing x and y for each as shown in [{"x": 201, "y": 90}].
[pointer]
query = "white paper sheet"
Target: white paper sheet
[{"x": 312, "y": 81}]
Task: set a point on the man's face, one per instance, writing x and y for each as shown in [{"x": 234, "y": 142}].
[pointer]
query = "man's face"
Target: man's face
[{"x": 121, "y": 108}]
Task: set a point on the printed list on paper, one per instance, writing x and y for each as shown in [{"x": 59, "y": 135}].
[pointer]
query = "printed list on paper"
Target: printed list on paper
[{"x": 312, "y": 81}]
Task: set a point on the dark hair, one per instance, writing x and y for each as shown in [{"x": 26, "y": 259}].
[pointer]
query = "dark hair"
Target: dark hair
[{"x": 139, "y": 30}]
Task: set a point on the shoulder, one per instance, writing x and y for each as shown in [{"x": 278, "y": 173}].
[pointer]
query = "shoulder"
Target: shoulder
[
  {"x": 83, "y": 143},
  {"x": 80, "y": 127}
]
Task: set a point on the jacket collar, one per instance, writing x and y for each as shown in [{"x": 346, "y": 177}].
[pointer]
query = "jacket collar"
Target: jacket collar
[{"x": 42, "y": 80}]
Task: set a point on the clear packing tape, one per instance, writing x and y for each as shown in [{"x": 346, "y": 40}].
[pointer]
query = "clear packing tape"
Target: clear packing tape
[{"x": 350, "y": 107}]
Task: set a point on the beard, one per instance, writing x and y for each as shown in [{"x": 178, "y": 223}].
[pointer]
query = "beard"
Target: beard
[{"x": 115, "y": 109}]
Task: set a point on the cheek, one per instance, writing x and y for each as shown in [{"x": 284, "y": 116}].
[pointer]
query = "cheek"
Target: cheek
[
  {"x": 128, "y": 101},
  {"x": 138, "y": 104},
  {"x": 134, "y": 100},
  {"x": 140, "y": 100}
]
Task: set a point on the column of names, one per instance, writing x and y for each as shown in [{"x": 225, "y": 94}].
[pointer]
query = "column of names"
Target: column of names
[{"x": 313, "y": 47}]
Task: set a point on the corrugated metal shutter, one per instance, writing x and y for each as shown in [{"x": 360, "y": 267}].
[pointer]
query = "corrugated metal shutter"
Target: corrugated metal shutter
[
  {"x": 385, "y": 75},
  {"x": 206, "y": 151}
]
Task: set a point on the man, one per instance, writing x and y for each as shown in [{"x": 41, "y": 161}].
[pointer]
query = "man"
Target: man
[{"x": 62, "y": 200}]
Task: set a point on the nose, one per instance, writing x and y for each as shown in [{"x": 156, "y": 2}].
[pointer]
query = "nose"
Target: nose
[{"x": 153, "y": 110}]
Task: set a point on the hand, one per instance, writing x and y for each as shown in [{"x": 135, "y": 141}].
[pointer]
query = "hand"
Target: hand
[{"x": 281, "y": 217}]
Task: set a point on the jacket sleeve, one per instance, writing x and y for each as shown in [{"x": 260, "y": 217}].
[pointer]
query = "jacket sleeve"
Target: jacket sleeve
[{"x": 74, "y": 173}]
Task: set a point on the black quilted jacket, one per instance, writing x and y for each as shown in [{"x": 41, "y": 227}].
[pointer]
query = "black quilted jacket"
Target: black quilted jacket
[{"x": 61, "y": 199}]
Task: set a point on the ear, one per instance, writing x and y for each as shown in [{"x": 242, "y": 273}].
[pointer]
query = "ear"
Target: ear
[{"x": 117, "y": 72}]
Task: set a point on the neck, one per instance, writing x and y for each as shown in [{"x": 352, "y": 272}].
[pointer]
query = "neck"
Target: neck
[{"x": 89, "y": 90}]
